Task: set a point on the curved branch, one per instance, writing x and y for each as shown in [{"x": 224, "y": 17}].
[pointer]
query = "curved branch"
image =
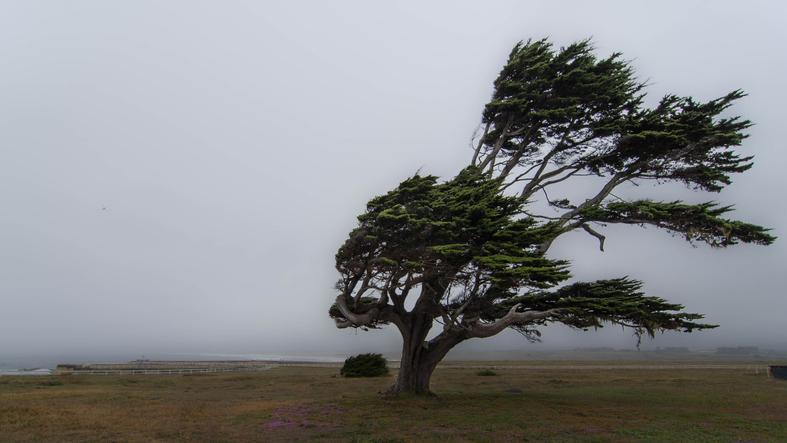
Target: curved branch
[
  {"x": 368, "y": 318},
  {"x": 483, "y": 330},
  {"x": 380, "y": 313}
]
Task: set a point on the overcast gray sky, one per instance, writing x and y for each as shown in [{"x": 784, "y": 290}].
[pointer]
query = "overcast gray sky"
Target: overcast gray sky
[{"x": 175, "y": 176}]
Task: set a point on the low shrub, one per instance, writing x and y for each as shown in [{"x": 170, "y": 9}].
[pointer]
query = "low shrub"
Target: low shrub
[
  {"x": 485, "y": 373},
  {"x": 365, "y": 365}
]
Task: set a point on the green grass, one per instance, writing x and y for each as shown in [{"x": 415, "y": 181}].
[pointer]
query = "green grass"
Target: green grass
[{"x": 288, "y": 403}]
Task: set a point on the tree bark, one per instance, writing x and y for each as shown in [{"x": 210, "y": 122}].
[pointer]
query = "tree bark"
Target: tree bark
[
  {"x": 413, "y": 377},
  {"x": 420, "y": 357}
]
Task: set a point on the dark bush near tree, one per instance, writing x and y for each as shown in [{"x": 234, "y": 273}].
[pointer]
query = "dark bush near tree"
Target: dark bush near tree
[{"x": 365, "y": 365}]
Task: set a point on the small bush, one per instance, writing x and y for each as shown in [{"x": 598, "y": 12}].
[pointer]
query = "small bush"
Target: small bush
[
  {"x": 365, "y": 365},
  {"x": 486, "y": 373}
]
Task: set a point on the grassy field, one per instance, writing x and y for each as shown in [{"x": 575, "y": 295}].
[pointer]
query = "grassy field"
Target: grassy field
[{"x": 567, "y": 403}]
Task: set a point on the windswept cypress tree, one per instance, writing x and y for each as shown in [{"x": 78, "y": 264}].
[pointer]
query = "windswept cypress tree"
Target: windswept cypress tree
[{"x": 471, "y": 252}]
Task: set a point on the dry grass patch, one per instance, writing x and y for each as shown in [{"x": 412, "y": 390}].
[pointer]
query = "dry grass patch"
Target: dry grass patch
[{"x": 301, "y": 403}]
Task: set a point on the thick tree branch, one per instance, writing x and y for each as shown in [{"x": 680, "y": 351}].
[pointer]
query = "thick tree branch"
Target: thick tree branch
[
  {"x": 380, "y": 313},
  {"x": 482, "y": 330},
  {"x": 366, "y": 319},
  {"x": 616, "y": 179}
]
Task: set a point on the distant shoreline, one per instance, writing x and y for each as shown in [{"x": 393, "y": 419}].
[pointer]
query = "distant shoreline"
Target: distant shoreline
[
  {"x": 25, "y": 372},
  {"x": 595, "y": 356},
  {"x": 188, "y": 367}
]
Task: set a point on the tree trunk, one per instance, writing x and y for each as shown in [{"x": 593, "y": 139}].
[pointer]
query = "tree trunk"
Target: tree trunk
[
  {"x": 420, "y": 357},
  {"x": 415, "y": 373},
  {"x": 413, "y": 377},
  {"x": 412, "y": 380}
]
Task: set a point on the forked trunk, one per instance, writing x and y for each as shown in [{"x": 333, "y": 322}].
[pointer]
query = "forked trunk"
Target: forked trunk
[
  {"x": 413, "y": 376},
  {"x": 420, "y": 358}
]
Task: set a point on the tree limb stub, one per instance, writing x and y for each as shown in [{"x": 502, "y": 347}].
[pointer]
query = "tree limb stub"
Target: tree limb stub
[{"x": 596, "y": 234}]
